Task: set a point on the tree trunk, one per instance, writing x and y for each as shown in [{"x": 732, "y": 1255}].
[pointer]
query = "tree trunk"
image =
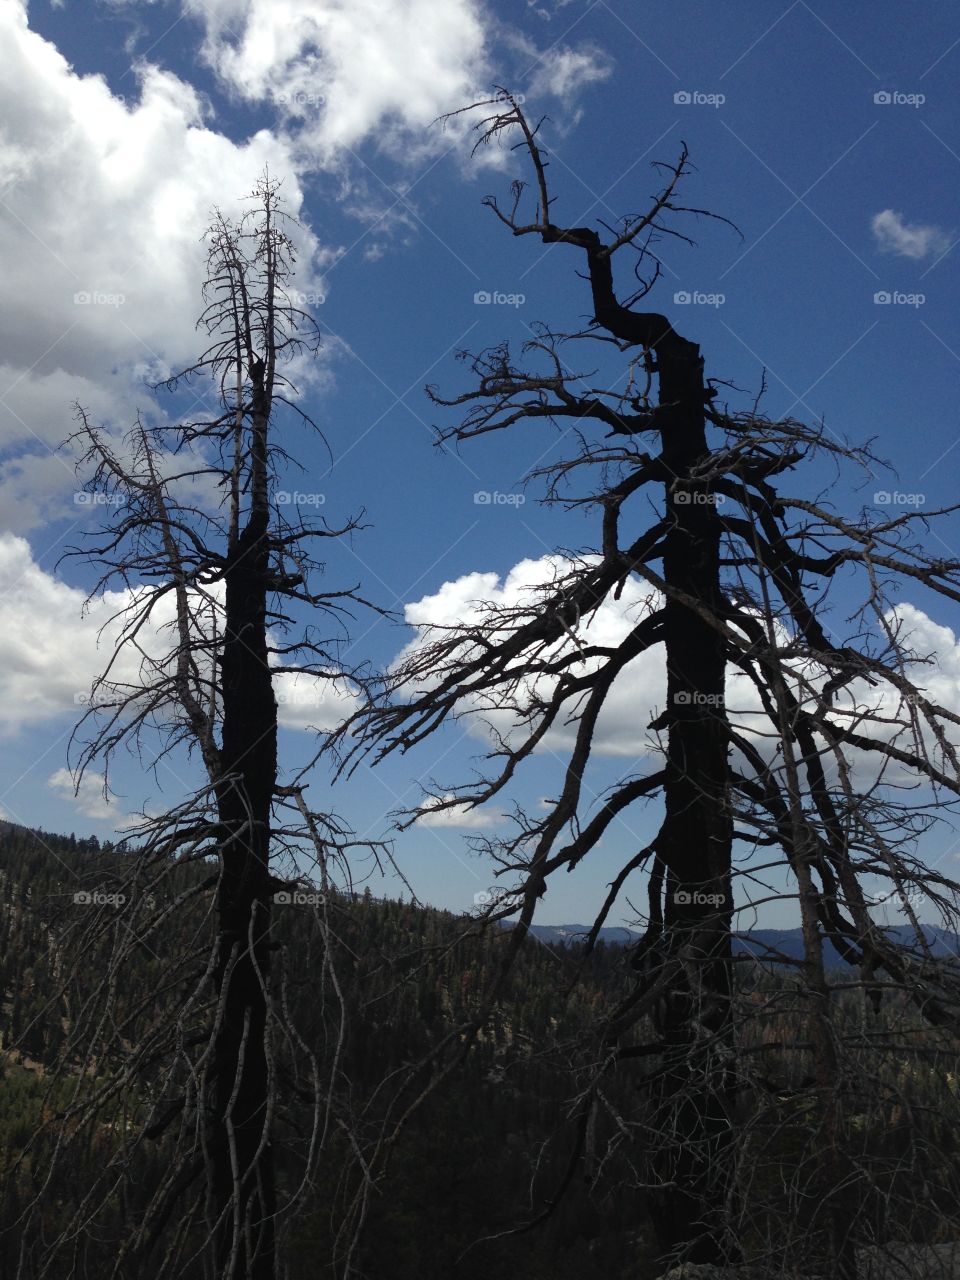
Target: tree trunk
[
  {"x": 243, "y": 1197},
  {"x": 693, "y": 1095}
]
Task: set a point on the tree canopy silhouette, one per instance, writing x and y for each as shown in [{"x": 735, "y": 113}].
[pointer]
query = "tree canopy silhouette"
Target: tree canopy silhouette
[{"x": 781, "y": 753}]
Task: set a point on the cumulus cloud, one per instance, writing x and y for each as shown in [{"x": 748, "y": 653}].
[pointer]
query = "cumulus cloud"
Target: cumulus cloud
[
  {"x": 639, "y": 693},
  {"x": 89, "y": 799},
  {"x": 457, "y": 816},
  {"x": 50, "y": 654},
  {"x": 621, "y": 727},
  {"x": 105, "y": 203},
  {"x": 105, "y": 199},
  {"x": 307, "y": 701},
  {"x": 908, "y": 239},
  {"x": 340, "y": 72},
  {"x": 108, "y": 200}
]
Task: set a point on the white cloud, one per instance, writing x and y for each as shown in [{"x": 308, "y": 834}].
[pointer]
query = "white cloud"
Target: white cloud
[
  {"x": 47, "y": 657},
  {"x": 340, "y": 72},
  {"x": 105, "y": 199},
  {"x": 639, "y": 693},
  {"x": 89, "y": 800},
  {"x": 544, "y": 11},
  {"x": 37, "y": 406},
  {"x": 312, "y": 702},
  {"x": 621, "y": 728},
  {"x": 108, "y": 198},
  {"x": 50, "y": 654},
  {"x": 457, "y": 816},
  {"x": 562, "y": 71},
  {"x": 558, "y": 71},
  {"x": 908, "y": 239}
]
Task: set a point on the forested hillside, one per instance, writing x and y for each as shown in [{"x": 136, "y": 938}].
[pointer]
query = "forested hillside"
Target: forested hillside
[{"x": 489, "y": 1151}]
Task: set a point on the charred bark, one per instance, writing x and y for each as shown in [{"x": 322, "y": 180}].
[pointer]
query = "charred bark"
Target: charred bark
[
  {"x": 242, "y": 1192},
  {"x": 694, "y": 845}
]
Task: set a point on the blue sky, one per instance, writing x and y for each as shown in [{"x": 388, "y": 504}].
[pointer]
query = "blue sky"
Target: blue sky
[{"x": 828, "y": 135}]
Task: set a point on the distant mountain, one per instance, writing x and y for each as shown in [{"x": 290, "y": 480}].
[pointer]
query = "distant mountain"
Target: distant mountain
[
  {"x": 765, "y": 943},
  {"x": 570, "y": 934},
  {"x": 774, "y": 945}
]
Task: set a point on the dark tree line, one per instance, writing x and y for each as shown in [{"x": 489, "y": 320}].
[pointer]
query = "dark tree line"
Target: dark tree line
[{"x": 490, "y": 1149}]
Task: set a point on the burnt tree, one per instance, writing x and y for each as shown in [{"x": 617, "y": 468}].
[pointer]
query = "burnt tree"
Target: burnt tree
[
  {"x": 217, "y": 572},
  {"x": 693, "y": 848},
  {"x": 733, "y": 590}
]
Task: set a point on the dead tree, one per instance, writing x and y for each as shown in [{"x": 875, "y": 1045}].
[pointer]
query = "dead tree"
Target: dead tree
[
  {"x": 736, "y": 577},
  {"x": 213, "y": 583}
]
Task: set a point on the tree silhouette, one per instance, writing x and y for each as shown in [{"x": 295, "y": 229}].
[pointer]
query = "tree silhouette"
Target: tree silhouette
[
  {"x": 212, "y": 584},
  {"x": 797, "y": 773}
]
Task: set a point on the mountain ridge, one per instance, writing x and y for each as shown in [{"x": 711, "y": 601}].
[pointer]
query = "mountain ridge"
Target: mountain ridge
[{"x": 778, "y": 946}]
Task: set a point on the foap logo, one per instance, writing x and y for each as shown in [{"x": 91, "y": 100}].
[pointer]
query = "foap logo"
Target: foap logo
[
  {"x": 94, "y": 699},
  {"x": 894, "y": 298},
  {"x": 697, "y": 498},
  {"x": 94, "y": 898},
  {"x": 893, "y": 98},
  {"x": 696, "y": 98},
  {"x": 84, "y": 499},
  {"x": 694, "y": 698},
  {"x": 684, "y": 898},
  {"x": 299, "y": 898},
  {"x": 694, "y": 298},
  {"x": 300, "y": 299},
  {"x": 97, "y": 298},
  {"x": 894, "y": 498},
  {"x": 912, "y": 897},
  {"x": 484, "y": 498},
  {"x": 294, "y": 498},
  {"x": 298, "y": 697},
  {"x": 495, "y": 896},
  {"x": 299, "y": 100},
  {"x": 495, "y": 298}
]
